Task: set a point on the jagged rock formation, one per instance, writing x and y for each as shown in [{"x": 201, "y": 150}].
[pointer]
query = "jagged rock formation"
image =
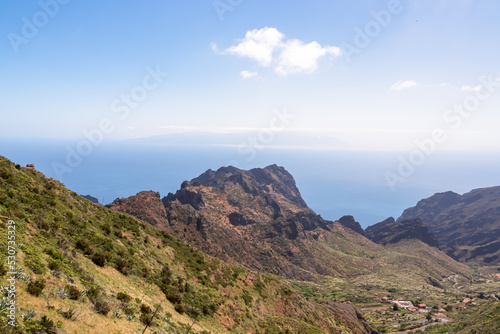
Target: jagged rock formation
[
  {"x": 390, "y": 232},
  {"x": 146, "y": 205},
  {"x": 258, "y": 218},
  {"x": 350, "y": 222},
  {"x": 467, "y": 227}
]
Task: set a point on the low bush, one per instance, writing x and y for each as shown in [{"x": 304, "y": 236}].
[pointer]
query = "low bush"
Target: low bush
[
  {"x": 101, "y": 306},
  {"x": 99, "y": 259},
  {"x": 35, "y": 288},
  {"x": 122, "y": 296}
]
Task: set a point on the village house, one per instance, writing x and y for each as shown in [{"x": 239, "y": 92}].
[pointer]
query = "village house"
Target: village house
[{"x": 404, "y": 304}]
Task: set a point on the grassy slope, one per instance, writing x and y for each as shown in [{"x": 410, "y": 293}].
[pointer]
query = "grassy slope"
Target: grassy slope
[
  {"x": 62, "y": 236},
  {"x": 484, "y": 319}
]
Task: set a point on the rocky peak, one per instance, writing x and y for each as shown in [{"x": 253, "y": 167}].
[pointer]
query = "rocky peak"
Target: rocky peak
[
  {"x": 273, "y": 180},
  {"x": 350, "y": 222},
  {"x": 431, "y": 206},
  {"x": 390, "y": 232}
]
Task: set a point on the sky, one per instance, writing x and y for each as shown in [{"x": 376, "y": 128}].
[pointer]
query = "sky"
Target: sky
[{"x": 375, "y": 75}]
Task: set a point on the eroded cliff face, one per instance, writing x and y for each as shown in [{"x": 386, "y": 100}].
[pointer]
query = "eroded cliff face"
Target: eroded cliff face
[
  {"x": 390, "y": 232},
  {"x": 467, "y": 227},
  {"x": 256, "y": 218}
]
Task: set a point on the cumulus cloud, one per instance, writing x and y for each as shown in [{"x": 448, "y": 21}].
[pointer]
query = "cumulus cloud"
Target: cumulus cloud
[
  {"x": 298, "y": 57},
  {"x": 258, "y": 44},
  {"x": 247, "y": 74},
  {"x": 268, "y": 47}
]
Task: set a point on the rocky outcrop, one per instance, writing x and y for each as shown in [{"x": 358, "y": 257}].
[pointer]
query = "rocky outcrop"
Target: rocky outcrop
[
  {"x": 390, "y": 232},
  {"x": 256, "y": 218},
  {"x": 350, "y": 222},
  {"x": 146, "y": 205}
]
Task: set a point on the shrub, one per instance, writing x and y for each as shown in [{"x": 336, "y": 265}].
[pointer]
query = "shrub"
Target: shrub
[
  {"x": 145, "y": 309},
  {"x": 180, "y": 308},
  {"x": 73, "y": 292},
  {"x": 70, "y": 314},
  {"x": 93, "y": 293},
  {"x": 99, "y": 259},
  {"x": 122, "y": 266},
  {"x": 129, "y": 310},
  {"x": 122, "y": 296},
  {"x": 101, "y": 306},
  {"x": 146, "y": 319},
  {"x": 54, "y": 265},
  {"x": 48, "y": 325},
  {"x": 173, "y": 295},
  {"x": 84, "y": 246},
  {"x": 247, "y": 298},
  {"x": 3, "y": 270},
  {"x": 259, "y": 286},
  {"x": 35, "y": 288}
]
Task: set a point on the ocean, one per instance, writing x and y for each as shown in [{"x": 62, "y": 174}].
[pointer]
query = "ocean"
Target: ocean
[{"x": 333, "y": 183}]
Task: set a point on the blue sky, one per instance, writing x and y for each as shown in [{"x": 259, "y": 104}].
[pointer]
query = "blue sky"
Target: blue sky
[{"x": 228, "y": 71}]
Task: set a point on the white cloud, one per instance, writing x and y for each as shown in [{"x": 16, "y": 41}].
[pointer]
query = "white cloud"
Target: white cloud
[
  {"x": 258, "y": 44},
  {"x": 400, "y": 85},
  {"x": 247, "y": 74},
  {"x": 298, "y": 57},
  {"x": 468, "y": 88},
  {"x": 268, "y": 47}
]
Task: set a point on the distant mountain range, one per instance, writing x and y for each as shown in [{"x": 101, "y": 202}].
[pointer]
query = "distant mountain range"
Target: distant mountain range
[{"x": 467, "y": 226}]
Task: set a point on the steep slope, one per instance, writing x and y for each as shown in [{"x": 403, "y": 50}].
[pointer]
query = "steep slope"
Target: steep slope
[
  {"x": 257, "y": 219},
  {"x": 484, "y": 319},
  {"x": 84, "y": 268},
  {"x": 390, "y": 232},
  {"x": 467, "y": 227}
]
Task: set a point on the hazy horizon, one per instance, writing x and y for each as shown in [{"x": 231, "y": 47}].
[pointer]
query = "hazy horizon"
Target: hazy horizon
[{"x": 333, "y": 183}]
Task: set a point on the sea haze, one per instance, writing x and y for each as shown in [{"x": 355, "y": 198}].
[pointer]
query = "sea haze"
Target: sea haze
[{"x": 333, "y": 183}]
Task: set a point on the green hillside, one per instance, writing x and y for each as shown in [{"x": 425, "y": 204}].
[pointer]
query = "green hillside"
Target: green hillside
[{"x": 82, "y": 268}]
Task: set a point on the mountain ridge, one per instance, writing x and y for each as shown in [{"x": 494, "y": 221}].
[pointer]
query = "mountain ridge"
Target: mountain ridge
[
  {"x": 466, "y": 226},
  {"x": 257, "y": 219}
]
